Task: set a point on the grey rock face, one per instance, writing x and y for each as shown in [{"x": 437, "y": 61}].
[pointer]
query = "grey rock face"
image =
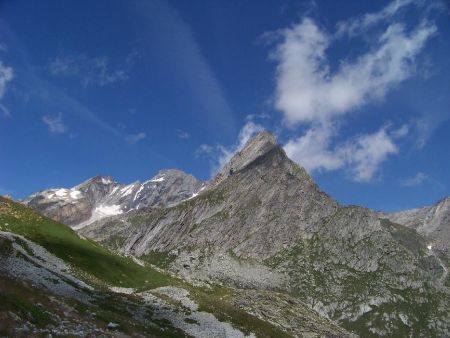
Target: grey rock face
[
  {"x": 262, "y": 223},
  {"x": 245, "y": 213},
  {"x": 432, "y": 222},
  {"x": 167, "y": 188},
  {"x": 101, "y": 197},
  {"x": 262, "y": 143},
  {"x": 28, "y": 261},
  {"x": 264, "y": 214}
]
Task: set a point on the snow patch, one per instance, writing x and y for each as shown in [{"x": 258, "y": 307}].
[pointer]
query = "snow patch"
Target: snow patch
[
  {"x": 195, "y": 194},
  {"x": 108, "y": 210},
  {"x": 127, "y": 190},
  {"x": 137, "y": 193},
  {"x": 61, "y": 192},
  {"x": 159, "y": 179},
  {"x": 75, "y": 194},
  {"x": 106, "y": 180},
  {"x": 100, "y": 212},
  {"x": 429, "y": 247}
]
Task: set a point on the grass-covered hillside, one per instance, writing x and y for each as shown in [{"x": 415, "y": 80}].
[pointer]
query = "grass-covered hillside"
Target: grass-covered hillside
[{"x": 85, "y": 255}]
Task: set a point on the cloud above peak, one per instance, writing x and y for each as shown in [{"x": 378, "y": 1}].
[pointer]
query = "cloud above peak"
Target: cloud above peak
[
  {"x": 415, "y": 180},
  {"x": 308, "y": 91},
  {"x": 319, "y": 95},
  {"x": 219, "y": 155},
  {"x": 361, "y": 155}
]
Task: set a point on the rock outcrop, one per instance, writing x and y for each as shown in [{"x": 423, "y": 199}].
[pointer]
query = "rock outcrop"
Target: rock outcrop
[{"x": 432, "y": 222}]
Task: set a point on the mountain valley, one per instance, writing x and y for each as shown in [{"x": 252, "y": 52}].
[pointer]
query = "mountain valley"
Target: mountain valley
[{"x": 258, "y": 251}]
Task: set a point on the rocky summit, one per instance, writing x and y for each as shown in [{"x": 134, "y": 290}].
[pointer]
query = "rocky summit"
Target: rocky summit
[
  {"x": 432, "y": 222},
  {"x": 101, "y": 197},
  {"x": 288, "y": 253}
]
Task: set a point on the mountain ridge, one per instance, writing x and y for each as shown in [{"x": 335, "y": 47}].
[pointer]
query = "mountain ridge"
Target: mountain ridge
[
  {"x": 102, "y": 196},
  {"x": 263, "y": 224}
]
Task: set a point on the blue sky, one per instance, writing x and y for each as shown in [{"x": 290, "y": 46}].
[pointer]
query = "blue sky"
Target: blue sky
[{"x": 357, "y": 92}]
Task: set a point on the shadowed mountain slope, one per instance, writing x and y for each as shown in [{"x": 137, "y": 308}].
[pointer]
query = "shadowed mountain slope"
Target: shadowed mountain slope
[{"x": 263, "y": 223}]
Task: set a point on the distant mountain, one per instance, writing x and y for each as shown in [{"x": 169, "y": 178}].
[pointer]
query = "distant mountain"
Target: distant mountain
[
  {"x": 101, "y": 197},
  {"x": 262, "y": 225},
  {"x": 432, "y": 222}
]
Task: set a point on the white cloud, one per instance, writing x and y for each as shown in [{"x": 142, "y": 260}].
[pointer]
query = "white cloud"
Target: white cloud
[
  {"x": 308, "y": 91},
  {"x": 414, "y": 181},
  {"x": 401, "y": 132},
  {"x": 55, "y": 124},
  {"x": 133, "y": 138},
  {"x": 260, "y": 116},
  {"x": 361, "y": 156},
  {"x": 5, "y": 110},
  {"x": 91, "y": 71},
  {"x": 312, "y": 150},
  {"x": 204, "y": 149},
  {"x": 359, "y": 24},
  {"x": 365, "y": 154},
  {"x": 6, "y": 75},
  {"x": 219, "y": 155},
  {"x": 183, "y": 134}
]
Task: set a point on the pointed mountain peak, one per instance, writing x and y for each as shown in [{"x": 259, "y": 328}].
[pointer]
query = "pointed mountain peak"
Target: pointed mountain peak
[
  {"x": 261, "y": 139},
  {"x": 103, "y": 179},
  {"x": 171, "y": 172},
  {"x": 96, "y": 180},
  {"x": 170, "y": 176},
  {"x": 260, "y": 144}
]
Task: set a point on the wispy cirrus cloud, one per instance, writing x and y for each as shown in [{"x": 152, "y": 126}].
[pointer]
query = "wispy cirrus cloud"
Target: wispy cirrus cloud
[
  {"x": 56, "y": 98},
  {"x": 415, "y": 180},
  {"x": 133, "y": 138},
  {"x": 182, "y": 134},
  {"x": 6, "y": 75},
  {"x": 356, "y": 26},
  {"x": 176, "y": 42},
  {"x": 55, "y": 123},
  {"x": 89, "y": 70},
  {"x": 309, "y": 92}
]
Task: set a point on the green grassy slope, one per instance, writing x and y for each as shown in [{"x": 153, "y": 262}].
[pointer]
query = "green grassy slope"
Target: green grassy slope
[{"x": 88, "y": 257}]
